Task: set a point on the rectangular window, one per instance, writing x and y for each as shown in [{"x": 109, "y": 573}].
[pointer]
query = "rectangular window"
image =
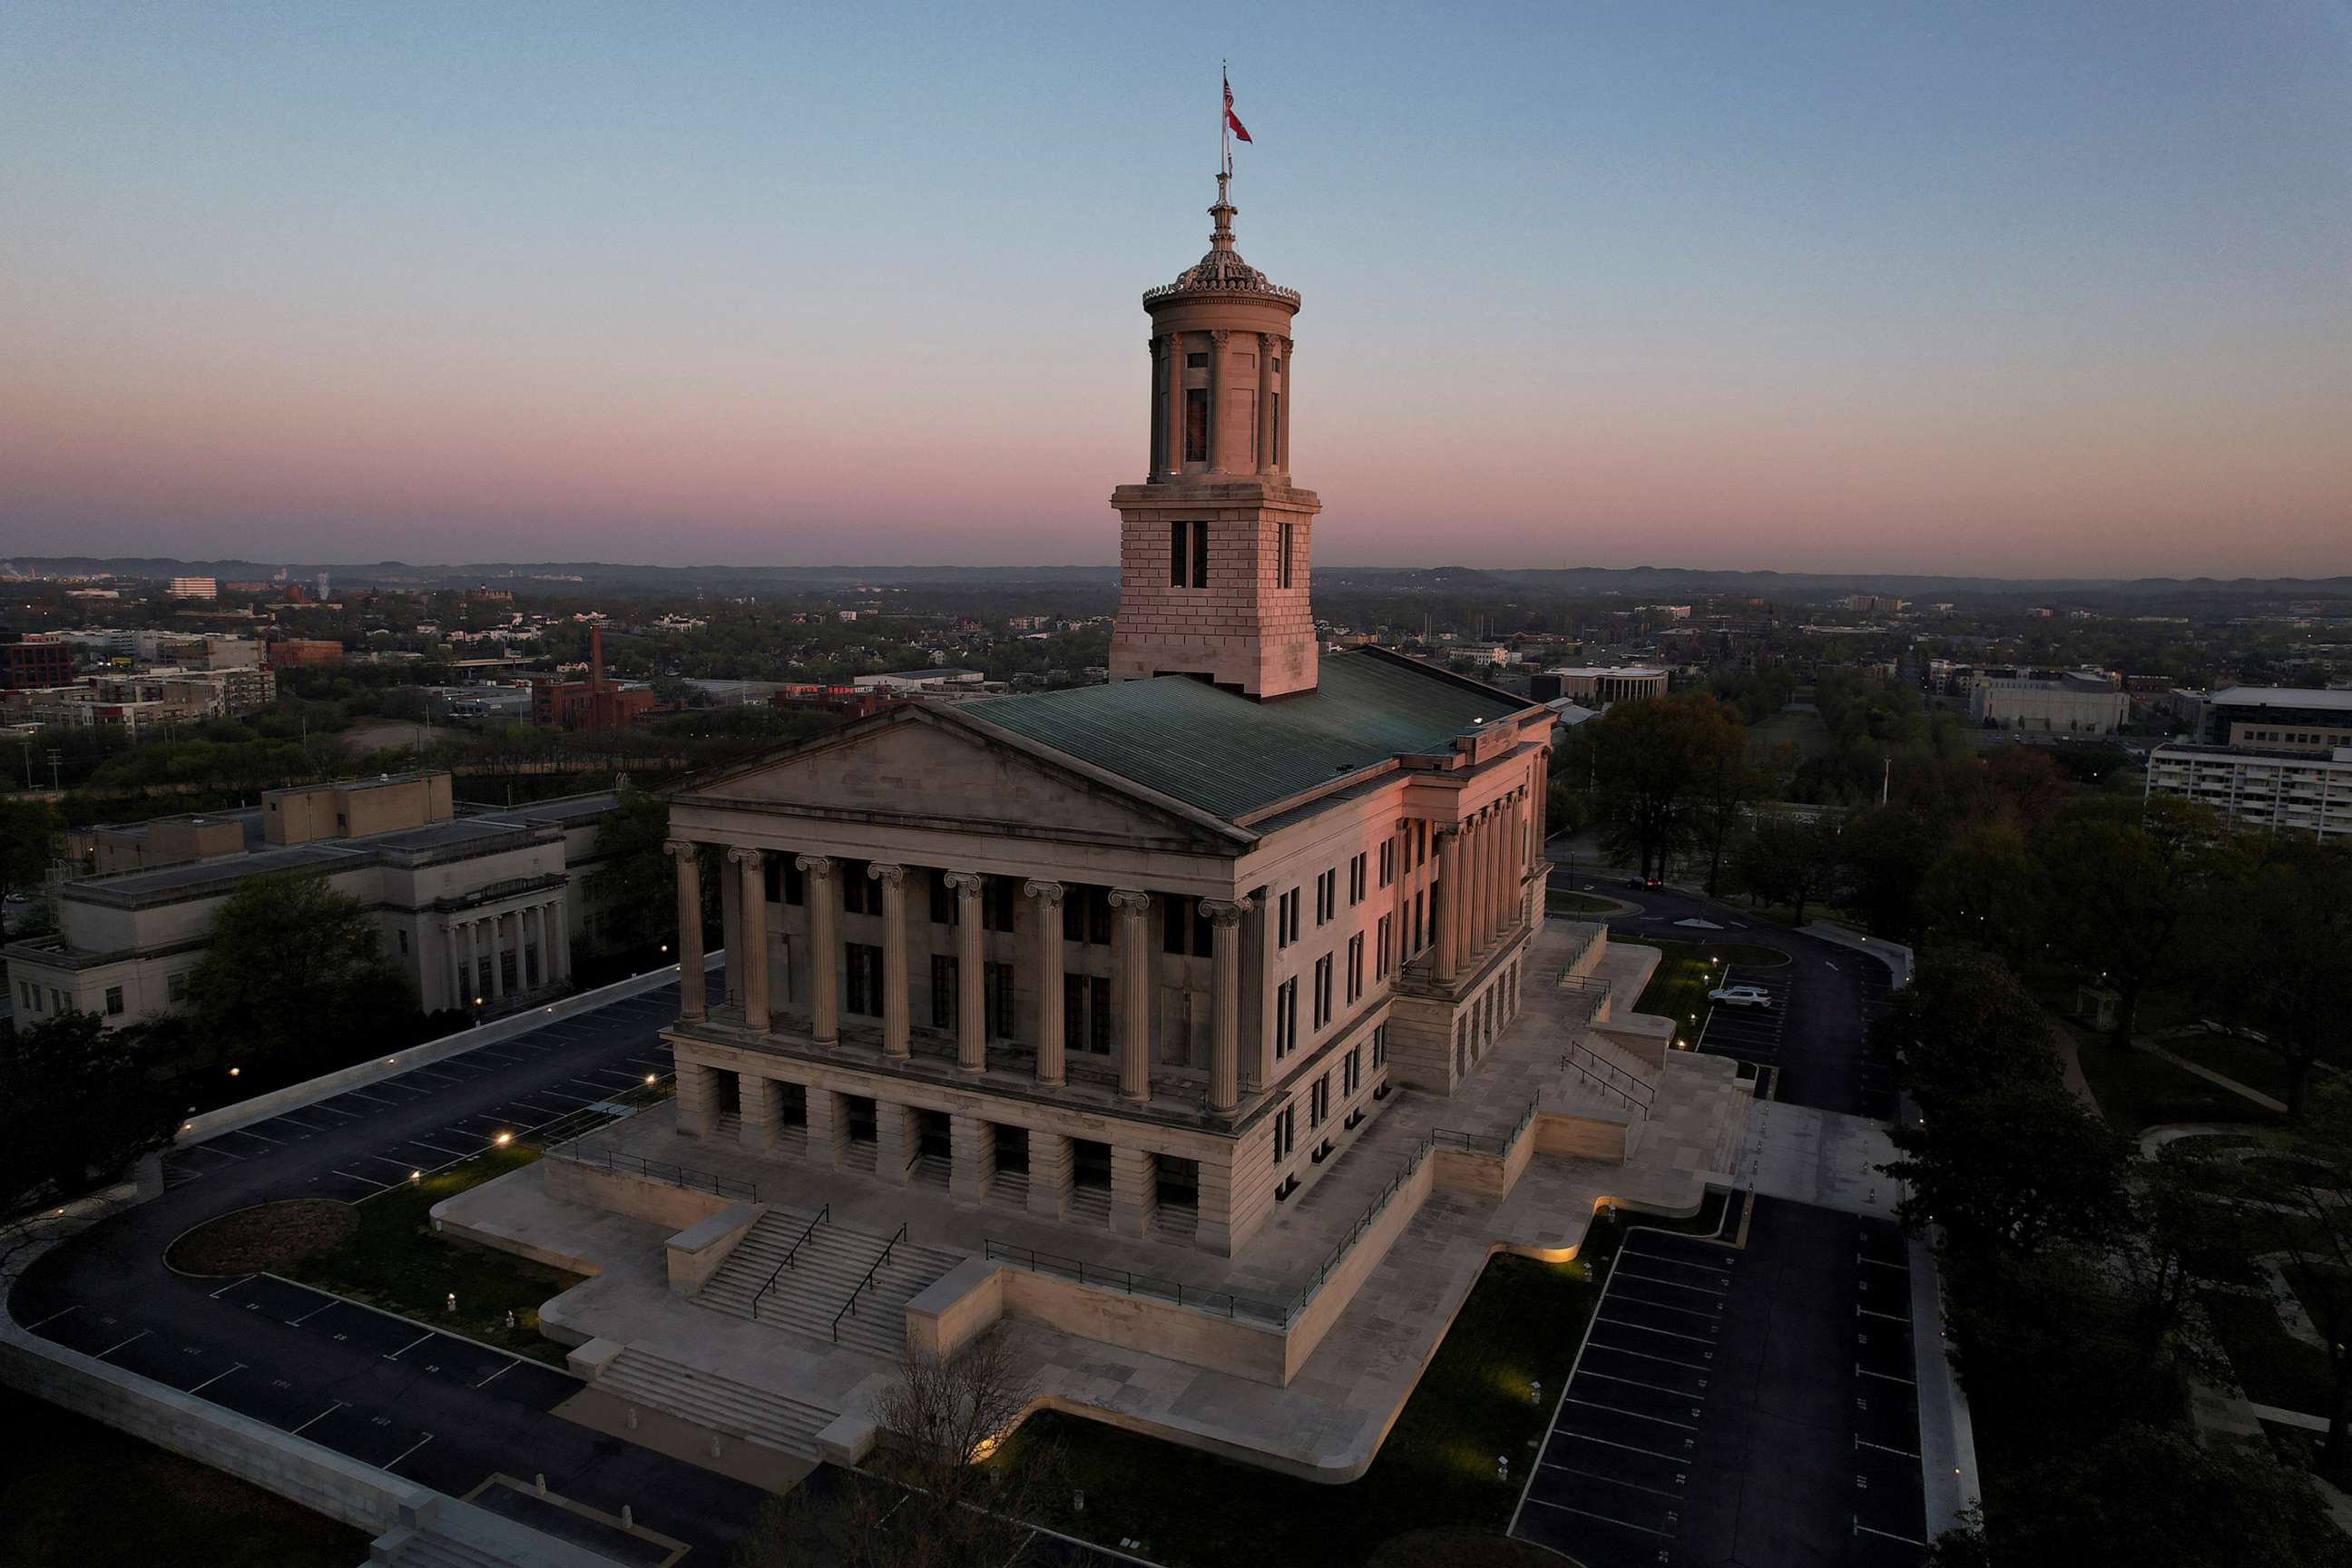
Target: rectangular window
[
  {"x": 943, "y": 991},
  {"x": 1283, "y": 579},
  {"x": 174, "y": 989},
  {"x": 1352, "y": 1071},
  {"x": 1196, "y": 429},
  {"x": 1285, "y": 1134},
  {"x": 404, "y": 943},
  {"x": 1286, "y": 919},
  {"x": 1380, "y": 1047},
  {"x": 1388, "y": 860},
  {"x": 860, "y": 894},
  {"x": 114, "y": 1001},
  {"x": 1417, "y": 942},
  {"x": 1322, "y": 991},
  {"x": 1381, "y": 948},
  {"x": 1277, "y": 425},
  {"x": 1358, "y": 870},
  {"x": 1355, "y": 966},
  {"x": 1177, "y": 554},
  {"x": 998, "y": 982},
  {"x": 1318, "y": 1102},
  {"x": 1326, "y": 896},
  {"x": 1196, "y": 361},
  {"x": 1200, "y": 555},
  {"x": 865, "y": 979},
  {"x": 1285, "y": 1017},
  {"x": 1421, "y": 834}
]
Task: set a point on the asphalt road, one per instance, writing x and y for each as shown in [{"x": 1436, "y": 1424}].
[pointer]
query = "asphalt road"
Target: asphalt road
[
  {"x": 1824, "y": 998},
  {"x": 432, "y": 1407}
]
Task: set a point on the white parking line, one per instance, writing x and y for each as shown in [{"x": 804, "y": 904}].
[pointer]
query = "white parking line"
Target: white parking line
[
  {"x": 402, "y": 1164},
  {"x": 1644, "y": 1328},
  {"x": 373, "y": 1186},
  {"x": 314, "y": 1420},
  {"x": 1636, "y": 1382},
  {"x": 120, "y": 1343},
  {"x": 1597, "y": 1476},
  {"x": 559, "y": 1094},
  {"x": 231, "y": 1285},
  {"x": 410, "y": 1449},
  {"x": 53, "y": 1317},
  {"x": 411, "y": 1345},
  {"x": 437, "y": 1148},
  {"x": 1636, "y": 1414},
  {"x": 1606, "y": 1443},
  {"x": 1664, "y": 1360},
  {"x": 1866, "y": 1443},
  {"x": 370, "y": 1099},
  {"x": 1587, "y": 1513},
  {"x": 1862, "y": 1371},
  {"x": 330, "y": 1301},
  {"x": 208, "y": 1149},
  {"x": 1890, "y": 1535},
  {"x": 1678, "y": 1285},
  {"x": 249, "y": 1133},
  {"x": 215, "y": 1378},
  {"x": 496, "y": 1376}
]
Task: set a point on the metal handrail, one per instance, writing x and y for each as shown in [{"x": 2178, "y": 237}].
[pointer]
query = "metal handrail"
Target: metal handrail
[
  {"x": 1648, "y": 1095},
  {"x": 794, "y": 1252},
  {"x": 850, "y": 1306},
  {"x": 1223, "y": 1303},
  {"x": 662, "y": 1171}
]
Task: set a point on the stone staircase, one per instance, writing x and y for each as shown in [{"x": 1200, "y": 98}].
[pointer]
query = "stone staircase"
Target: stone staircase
[
  {"x": 423, "y": 1548},
  {"x": 807, "y": 1296},
  {"x": 757, "y": 1414}
]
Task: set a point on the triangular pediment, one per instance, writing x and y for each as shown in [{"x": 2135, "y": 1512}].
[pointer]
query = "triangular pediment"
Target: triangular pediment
[{"x": 915, "y": 763}]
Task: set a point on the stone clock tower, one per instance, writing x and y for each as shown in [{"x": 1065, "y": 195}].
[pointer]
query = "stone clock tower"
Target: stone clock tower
[{"x": 1214, "y": 544}]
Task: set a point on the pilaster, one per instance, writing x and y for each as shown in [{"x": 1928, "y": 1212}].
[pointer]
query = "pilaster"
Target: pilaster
[
  {"x": 1052, "y": 1172},
  {"x": 1133, "y": 1199}
]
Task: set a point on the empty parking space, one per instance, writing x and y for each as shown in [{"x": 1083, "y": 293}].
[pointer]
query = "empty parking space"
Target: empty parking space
[
  {"x": 1740, "y": 1405},
  {"x": 1751, "y": 1034}
]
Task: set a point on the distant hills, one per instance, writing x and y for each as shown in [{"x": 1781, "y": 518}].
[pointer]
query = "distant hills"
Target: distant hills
[{"x": 1639, "y": 582}]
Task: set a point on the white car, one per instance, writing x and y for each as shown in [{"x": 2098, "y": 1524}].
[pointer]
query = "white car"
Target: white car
[{"x": 1740, "y": 996}]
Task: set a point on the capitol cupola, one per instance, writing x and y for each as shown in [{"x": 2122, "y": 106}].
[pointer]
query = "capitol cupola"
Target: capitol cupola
[{"x": 1213, "y": 544}]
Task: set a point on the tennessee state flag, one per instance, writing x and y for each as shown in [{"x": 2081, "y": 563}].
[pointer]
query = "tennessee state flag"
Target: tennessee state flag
[{"x": 1233, "y": 120}]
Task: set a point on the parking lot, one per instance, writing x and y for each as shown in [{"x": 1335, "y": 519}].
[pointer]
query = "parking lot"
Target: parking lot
[
  {"x": 365, "y": 1168},
  {"x": 1740, "y": 1404},
  {"x": 1751, "y": 1034}
]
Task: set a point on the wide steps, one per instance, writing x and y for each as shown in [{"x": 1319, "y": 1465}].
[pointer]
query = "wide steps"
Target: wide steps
[
  {"x": 761, "y": 1416},
  {"x": 828, "y": 1265},
  {"x": 421, "y": 1549}
]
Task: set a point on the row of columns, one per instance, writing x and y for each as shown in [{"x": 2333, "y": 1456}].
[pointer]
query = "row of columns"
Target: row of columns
[
  {"x": 1130, "y": 959},
  {"x": 1168, "y": 355},
  {"x": 476, "y": 941},
  {"x": 1482, "y": 865}
]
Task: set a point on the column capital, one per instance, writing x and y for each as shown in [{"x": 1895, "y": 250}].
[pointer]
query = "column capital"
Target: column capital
[
  {"x": 1046, "y": 893},
  {"x": 967, "y": 884},
  {"x": 1265, "y": 340},
  {"x": 1224, "y": 913},
  {"x": 1126, "y": 900},
  {"x": 681, "y": 848},
  {"x": 888, "y": 876},
  {"x": 1445, "y": 830},
  {"x": 746, "y": 855},
  {"x": 1220, "y": 333},
  {"x": 814, "y": 865}
]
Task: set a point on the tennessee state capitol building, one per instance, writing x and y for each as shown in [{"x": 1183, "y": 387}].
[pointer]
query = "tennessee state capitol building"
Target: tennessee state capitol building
[{"x": 1139, "y": 953}]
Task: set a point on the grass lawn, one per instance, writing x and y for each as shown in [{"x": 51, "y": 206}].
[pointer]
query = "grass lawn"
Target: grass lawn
[
  {"x": 1521, "y": 1324},
  {"x": 2273, "y": 1366},
  {"x": 1687, "y": 972},
  {"x": 394, "y": 1261},
  {"x": 2256, "y": 1067},
  {"x": 1559, "y": 903},
  {"x": 76, "y": 1491},
  {"x": 2137, "y": 1089}
]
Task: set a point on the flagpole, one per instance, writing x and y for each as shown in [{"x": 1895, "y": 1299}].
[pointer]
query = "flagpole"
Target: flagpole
[{"x": 1224, "y": 128}]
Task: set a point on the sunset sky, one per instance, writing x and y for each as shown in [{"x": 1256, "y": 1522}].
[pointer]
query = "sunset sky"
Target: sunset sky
[{"x": 2011, "y": 289}]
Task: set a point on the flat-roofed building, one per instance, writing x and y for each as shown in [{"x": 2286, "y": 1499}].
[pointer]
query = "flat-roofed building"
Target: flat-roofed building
[
  {"x": 2073, "y": 701},
  {"x": 1596, "y": 686}
]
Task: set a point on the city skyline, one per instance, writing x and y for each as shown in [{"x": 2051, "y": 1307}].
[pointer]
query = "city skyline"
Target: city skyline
[{"x": 2018, "y": 294}]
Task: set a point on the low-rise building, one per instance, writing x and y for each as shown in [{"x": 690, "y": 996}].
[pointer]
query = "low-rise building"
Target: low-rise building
[
  {"x": 480, "y": 910},
  {"x": 2077, "y": 702},
  {"x": 2301, "y": 719},
  {"x": 194, "y": 588},
  {"x": 2281, "y": 790},
  {"x": 1598, "y": 685},
  {"x": 27, "y": 662}
]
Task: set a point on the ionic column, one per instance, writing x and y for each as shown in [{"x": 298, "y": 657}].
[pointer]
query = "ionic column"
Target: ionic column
[
  {"x": 894, "y": 957},
  {"x": 450, "y": 936},
  {"x": 1224, "y": 1004},
  {"x": 498, "y": 969},
  {"x": 1133, "y": 960},
  {"x": 480, "y": 992},
  {"x": 1175, "y": 439},
  {"x": 1050, "y": 1044},
  {"x": 751, "y": 897},
  {"x": 533, "y": 923},
  {"x": 690, "y": 928},
  {"x": 1265, "y": 347},
  {"x": 1282, "y": 433},
  {"x": 971, "y": 993},
  {"x": 1445, "y": 955},
  {"x": 1475, "y": 847},
  {"x": 824, "y": 946},
  {"x": 1490, "y": 835},
  {"x": 564, "y": 942}
]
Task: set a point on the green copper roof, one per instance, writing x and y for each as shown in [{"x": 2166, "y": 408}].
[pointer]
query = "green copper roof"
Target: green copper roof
[{"x": 1231, "y": 756}]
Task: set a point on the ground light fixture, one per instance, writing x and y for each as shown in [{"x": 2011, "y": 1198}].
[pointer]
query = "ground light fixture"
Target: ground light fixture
[
  {"x": 649, "y": 1078},
  {"x": 503, "y": 1138},
  {"x": 416, "y": 1175}
]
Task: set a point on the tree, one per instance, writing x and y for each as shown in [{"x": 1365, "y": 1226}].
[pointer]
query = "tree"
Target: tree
[
  {"x": 1984, "y": 890},
  {"x": 634, "y": 882},
  {"x": 2016, "y": 1165},
  {"x": 77, "y": 1104},
  {"x": 1647, "y": 757},
  {"x": 1887, "y": 851},
  {"x": 28, "y": 838},
  {"x": 942, "y": 1506},
  {"x": 293, "y": 970},
  {"x": 1964, "y": 1026},
  {"x": 1790, "y": 859},
  {"x": 2131, "y": 882},
  {"x": 1722, "y": 800},
  {"x": 2282, "y": 955}
]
